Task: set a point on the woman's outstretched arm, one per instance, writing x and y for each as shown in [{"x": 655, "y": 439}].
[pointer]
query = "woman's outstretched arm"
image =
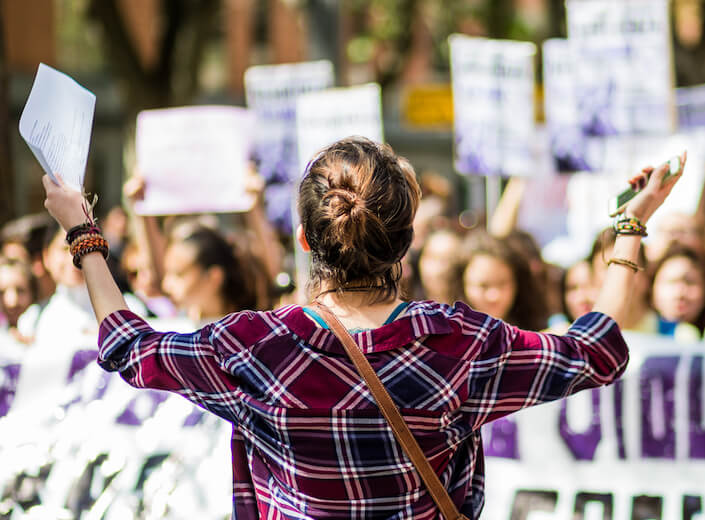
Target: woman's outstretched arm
[
  {"x": 66, "y": 205},
  {"x": 615, "y": 294}
]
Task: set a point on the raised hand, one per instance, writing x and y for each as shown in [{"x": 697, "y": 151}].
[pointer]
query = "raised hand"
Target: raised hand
[
  {"x": 653, "y": 189},
  {"x": 67, "y": 205}
]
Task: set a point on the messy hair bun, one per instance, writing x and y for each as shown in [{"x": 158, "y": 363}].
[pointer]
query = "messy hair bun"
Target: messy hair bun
[{"x": 357, "y": 203}]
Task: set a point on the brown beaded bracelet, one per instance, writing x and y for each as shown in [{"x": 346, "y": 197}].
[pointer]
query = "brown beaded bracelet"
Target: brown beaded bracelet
[
  {"x": 89, "y": 241},
  {"x": 89, "y": 245}
]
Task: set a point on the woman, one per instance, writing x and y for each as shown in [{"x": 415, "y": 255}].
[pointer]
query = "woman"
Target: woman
[
  {"x": 498, "y": 281},
  {"x": 441, "y": 266},
  {"x": 316, "y": 445},
  {"x": 678, "y": 293},
  {"x": 578, "y": 293}
]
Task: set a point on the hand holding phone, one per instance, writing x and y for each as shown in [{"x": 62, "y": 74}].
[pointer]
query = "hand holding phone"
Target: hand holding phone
[{"x": 618, "y": 203}]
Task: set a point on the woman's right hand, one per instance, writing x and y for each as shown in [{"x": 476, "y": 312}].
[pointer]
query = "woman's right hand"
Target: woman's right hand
[
  {"x": 67, "y": 205},
  {"x": 654, "y": 191}
]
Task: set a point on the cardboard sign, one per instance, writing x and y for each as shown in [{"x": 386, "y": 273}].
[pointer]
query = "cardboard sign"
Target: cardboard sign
[
  {"x": 272, "y": 91},
  {"x": 194, "y": 159},
  {"x": 329, "y": 115},
  {"x": 493, "y": 105},
  {"x": 623, "y": 66}
]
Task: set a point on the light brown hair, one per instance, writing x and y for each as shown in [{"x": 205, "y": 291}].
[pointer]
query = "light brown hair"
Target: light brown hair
[{"x": 357, "y": 203}]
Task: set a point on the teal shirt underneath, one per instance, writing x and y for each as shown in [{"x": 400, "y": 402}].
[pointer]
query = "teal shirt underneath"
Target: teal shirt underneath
[{"x": 393, "y": 316}]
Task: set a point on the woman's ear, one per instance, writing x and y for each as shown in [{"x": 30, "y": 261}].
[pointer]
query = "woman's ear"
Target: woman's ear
[{"x": 301, "y": 239}]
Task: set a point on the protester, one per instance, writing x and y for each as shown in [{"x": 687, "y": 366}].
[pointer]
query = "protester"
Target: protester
[
  {"x": 679, "y": 293},
  {"x": 497, "y": 280},
  {"x": 578, "y": 295},
  {"x": 23, "y": 239},
  {"x": 303, "y": 418},
  {"x": 679, "y": 228},
  {"x": 205, "y": 278},
  {"x": 441, "y": 267},
  {"x": 18, "y": 294}
]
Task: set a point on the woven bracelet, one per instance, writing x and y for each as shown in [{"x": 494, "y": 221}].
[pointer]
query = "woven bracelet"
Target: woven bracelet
[{"x": 89, "y": 245}]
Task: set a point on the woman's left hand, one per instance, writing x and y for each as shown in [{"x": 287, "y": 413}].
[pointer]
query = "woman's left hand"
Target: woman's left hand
[{"x": 65, "y": 204}]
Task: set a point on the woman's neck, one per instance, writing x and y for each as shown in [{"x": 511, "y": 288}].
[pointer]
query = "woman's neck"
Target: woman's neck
[{"x": 354, "y": 310}]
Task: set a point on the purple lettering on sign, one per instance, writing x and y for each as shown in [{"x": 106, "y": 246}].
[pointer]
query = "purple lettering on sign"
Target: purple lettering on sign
[
  {"x": 9, "y": 374},
  {"x": 619, "y": 417},
  {"x": 695, "y": 413},
  {"x": 142, "y": 407},
  {"x": 194, "y": 417},
  {"x": 657, "y": 383},
  {"x": 582, "y": 444},
  {"x": 81, "y": 359},
  {"x": 500, "y": 438}
]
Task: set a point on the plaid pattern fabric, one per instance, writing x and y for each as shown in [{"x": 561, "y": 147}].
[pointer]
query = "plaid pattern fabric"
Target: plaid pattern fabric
[{"x": 309, "y": 441}]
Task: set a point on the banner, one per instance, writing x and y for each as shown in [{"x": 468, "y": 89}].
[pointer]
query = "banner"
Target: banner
[
  {"x": 622, "y": 66},
  {"x": 326, "y": 116},
  {"x": 632, "y": 450},
  {"x": 93, "y": 447},
  {"x": 202, "y": 151}
]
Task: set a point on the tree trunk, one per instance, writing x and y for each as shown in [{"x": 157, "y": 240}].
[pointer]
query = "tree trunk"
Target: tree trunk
[{"x": 7, "y": 180}]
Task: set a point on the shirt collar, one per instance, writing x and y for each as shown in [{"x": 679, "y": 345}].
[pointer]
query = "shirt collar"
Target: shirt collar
[{"x": 420, "y": 319}]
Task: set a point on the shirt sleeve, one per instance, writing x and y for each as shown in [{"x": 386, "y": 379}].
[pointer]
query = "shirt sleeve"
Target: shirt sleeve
[
  {"x": 187, "y": 364},
  {"x": 517, "y": 368}
]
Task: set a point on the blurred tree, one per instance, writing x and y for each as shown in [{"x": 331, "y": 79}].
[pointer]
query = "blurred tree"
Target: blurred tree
[
  {"x": 171, "y": 75},
  {"x": 688, "y": 29},
  {"x": 384, "y": 32},
  {"x": 7, "y": 210}
]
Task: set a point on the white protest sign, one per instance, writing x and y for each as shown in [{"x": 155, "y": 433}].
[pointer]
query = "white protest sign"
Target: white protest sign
[
  {"x": 56, "y": 123},
  {"x": 326, "y": 116},
  {"x": 623, "y": 66},
  {"x": 271, "y": 92},
  {"x": 567, "y": 142},
  {"x": 493, "y": 105},
  {"x": 194, "y": 159}
]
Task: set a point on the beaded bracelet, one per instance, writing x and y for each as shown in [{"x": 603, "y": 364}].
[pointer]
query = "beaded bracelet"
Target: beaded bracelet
[
  {"x": 630, "y": 226},
  {"x": 89, "y": 245},
  {"x": 626, "y": 263},
  {"x": 91, "y": 240}
]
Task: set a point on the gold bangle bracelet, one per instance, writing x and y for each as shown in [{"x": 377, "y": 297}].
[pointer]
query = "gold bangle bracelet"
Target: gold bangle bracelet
[{"x": 626, "y": 263}]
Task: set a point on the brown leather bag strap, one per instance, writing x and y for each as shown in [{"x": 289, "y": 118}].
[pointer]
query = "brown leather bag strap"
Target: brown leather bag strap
[{"x": 391, "y": 413}]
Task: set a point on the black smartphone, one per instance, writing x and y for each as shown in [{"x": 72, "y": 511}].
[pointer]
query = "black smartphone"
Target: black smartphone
[{"x": 618, "y": 202}]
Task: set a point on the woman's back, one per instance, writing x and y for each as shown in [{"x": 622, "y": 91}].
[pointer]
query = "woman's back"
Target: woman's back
[{"x": 314, "y": 440}]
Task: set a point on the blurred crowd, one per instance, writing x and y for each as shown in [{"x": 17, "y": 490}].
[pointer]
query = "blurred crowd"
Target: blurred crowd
[{"x": 199, "y": 268}]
